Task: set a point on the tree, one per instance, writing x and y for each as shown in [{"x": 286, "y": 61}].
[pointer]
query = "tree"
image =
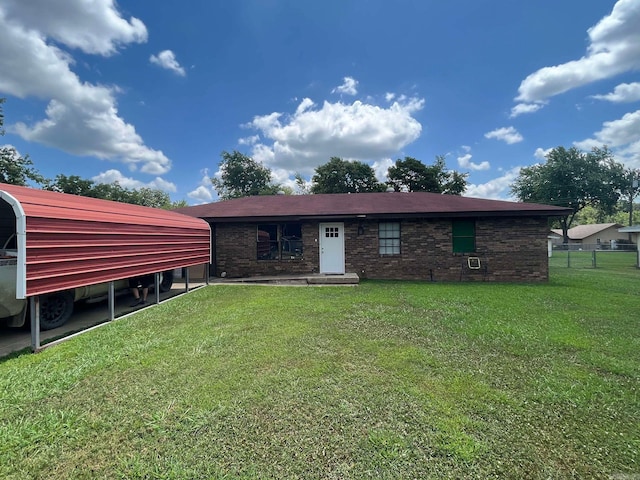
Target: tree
[
  {"x": 411, "y": 175},
  {"x": 147, "y": 197},
  {"x": 14, "y": 168},
  {"x": 591, "y": 214},
  {"x": 242, "y": 176},
  {"x": 630, "y": 189},
  {"x": 17, "y": 170},
  {"x": 304, "y": 187},
  {"x": 342, "y": 176},
  {"x": 73, "y": 185},
  {"x": 177, "y": 204},
  {"x": 573, "y": 179},
  {"x": 150, "y": 197}
]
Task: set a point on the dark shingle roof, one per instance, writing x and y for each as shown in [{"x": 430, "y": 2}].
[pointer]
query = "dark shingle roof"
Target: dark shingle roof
[{"x": 380, "y": 205}]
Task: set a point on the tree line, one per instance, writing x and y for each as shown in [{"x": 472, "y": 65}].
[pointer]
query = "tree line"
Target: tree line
[
  {"x": 242, "y": 176},
  {"x": 592, "y": 184},
  {"x": 582, "y": 181}
]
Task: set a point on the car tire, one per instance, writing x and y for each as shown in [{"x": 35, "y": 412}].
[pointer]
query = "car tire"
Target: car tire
[{"x": 55, "y": 309}]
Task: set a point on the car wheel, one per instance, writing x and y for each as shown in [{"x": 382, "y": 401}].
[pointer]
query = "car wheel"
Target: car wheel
[
  {"x": 55, "y": 309},
  {"x": 166, "y": 281}
]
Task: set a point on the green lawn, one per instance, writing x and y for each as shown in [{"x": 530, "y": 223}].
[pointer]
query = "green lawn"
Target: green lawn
[{"x": 387, "y": 380}]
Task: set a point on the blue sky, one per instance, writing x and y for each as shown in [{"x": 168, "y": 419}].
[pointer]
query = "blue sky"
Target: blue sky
[{"x": 150, "y": 93}]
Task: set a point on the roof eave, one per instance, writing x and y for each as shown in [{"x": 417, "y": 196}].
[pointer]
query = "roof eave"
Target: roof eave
[{"x": 360, "y": 216}]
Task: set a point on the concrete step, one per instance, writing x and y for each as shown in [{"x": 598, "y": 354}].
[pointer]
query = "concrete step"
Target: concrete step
[{"x": 310, "y": 279}]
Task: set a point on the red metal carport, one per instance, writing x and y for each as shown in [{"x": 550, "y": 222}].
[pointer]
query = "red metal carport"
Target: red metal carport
[{"x": 66, "y": 241}]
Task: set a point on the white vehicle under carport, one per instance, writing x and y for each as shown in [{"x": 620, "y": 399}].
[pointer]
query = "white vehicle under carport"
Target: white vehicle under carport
[
  {"x": 55, "y": 308},
  {"x": 67, "y": 248}
]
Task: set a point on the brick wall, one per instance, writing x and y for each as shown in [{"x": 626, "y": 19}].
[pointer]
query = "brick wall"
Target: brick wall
[
  {"x": 510, "y": 250},
  {"x": 237, "y": 252}
]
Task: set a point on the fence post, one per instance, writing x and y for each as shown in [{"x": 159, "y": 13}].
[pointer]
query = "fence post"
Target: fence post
[
  {"x": 568, "y": 257},
  {"x": 593, "y": 259}
]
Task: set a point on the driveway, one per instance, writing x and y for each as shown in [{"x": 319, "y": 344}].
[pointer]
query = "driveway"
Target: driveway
[{"x": 85, "y": 315}]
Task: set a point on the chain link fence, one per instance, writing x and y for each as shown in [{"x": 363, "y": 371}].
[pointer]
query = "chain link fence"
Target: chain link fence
[{"x": 594, "y": 256}]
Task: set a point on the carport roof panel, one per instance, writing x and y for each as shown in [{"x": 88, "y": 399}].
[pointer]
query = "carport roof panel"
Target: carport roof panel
[
  {"x": 46, "y": 204},
  {"x": 66, "y": 241}
]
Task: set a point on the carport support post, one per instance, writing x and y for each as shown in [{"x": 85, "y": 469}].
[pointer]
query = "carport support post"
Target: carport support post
[
  {"x": 157, "y": 287},
  {"x": 186, "y": 280},
  {"x": 35, "y": 323},
  {"x": 112, "y": 301}
]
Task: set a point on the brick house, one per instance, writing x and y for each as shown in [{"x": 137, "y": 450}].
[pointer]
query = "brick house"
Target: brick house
[{"x": 392, "y": 235}]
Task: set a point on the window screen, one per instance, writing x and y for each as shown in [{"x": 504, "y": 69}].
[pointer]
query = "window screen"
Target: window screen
[
  {"x": 279, "y": 241},
  {"x": 389, "y": 238},
  {"x": 268, "y": 242},
  {"x": 291, "y": 240}
]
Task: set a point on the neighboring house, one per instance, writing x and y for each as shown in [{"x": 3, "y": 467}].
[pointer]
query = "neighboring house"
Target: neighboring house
[
  {"x": 392, "y": 235},
  {"x": 634, "y": 235},
  {"x": 632, "y": 232},
  {"x": 593, "y": 237}
]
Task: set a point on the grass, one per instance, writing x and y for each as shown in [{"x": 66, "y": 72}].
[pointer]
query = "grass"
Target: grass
[
  {"x": 607, "y": 259},
  {"x": 389, "y": 380}
]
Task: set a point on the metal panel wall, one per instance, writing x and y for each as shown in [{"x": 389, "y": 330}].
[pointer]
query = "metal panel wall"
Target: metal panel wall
[{"x": 73, "y": 241}]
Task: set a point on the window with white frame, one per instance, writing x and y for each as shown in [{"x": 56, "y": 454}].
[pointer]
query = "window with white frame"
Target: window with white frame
[{"x": 389, "y": 238}]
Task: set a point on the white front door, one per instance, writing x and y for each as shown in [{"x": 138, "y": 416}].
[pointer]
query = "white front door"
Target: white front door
[{"x": 332, "y": 248}]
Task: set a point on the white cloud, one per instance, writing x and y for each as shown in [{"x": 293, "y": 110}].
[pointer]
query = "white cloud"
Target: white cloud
[
  {"x": 349, "y": 87},
  {"x": 167, "y": 59},
  {"x": 614, "y": 48},
  {"x": 464, "y": 161},
  {"x": 162, "y": 184},
  {"x": 359, "y": 131},
  {"x": 282, "y": 177},
  {"x": 8, "y": 149},
  {"x": 389, "y": 96},
  {"x": 94, "y": 27},
  {"x": 264, "y": 154},
  {"x": 622, "y": 136},
  {"x": 381, "y": 168},
  {"x": 81, "y": 118},
  {"x": 623, "y": 93},
  {"x": 251, "y": 140},
  {"x": 113, "y": 176},
  {"x": 541, "y": 154},
  {"x": 81, "y": 130},
  {"x": 497, "y": 189},
  {"x": 201, "y": 194},
  {"x": 620, "y": 132},
  {"x": 521, "y": 108},
  {"x": 507, "y": 134},
  {"x": 305, "y": 105},
  {"x": 204, "y": 193}
]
